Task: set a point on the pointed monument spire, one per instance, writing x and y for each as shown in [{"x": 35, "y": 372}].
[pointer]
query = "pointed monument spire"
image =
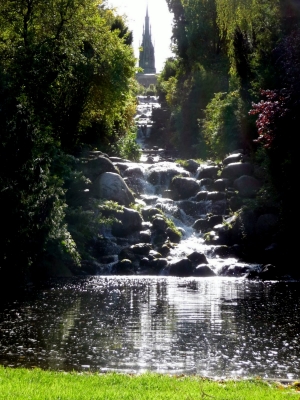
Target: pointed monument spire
[{"x": 147, "y": 58}]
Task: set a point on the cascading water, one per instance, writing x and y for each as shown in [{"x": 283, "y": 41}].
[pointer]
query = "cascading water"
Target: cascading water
[{"x": 152, "y": 184}]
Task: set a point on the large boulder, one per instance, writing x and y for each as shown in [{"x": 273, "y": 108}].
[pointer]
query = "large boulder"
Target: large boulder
[
  {"x": 173, "y": 235},
  {"x": 206, "y": 183},
  {"x": 208, "y": 171},
  {"x": 96, "y": 164},
  {"x": 235, "y": 170},
  {"x": 127, "y": 222},
  {"x": 247, "y": 185},
  {"x": 133, "y": 172},
  {"x": 111, "y": 186},
  {"x": 149, "y": 212},
  {"x": 141, "y": 248},
  {"x": 197, "y": 258},
  {"x": 123, "y": 267},
  {"x": 159, "y": 223},
  {"x": 182, "y": 268},
  {"x": 121, "y": 166},
  {"x": 163, "y": 177},
  {"x": 202, "y": 195},
  {"x": 233, "y": 158},
  {"x": 191, "y": 165},
  {"x": 184, "y": 188},
  {"x": 236, "y": 270},
  {"x": 220, "y": 185},
  {"x": 206, "y": 224},
  {"x": 203, "y": 270},
  {"x": 137, "y": 185},
  {"x": 214, "y": 196}
]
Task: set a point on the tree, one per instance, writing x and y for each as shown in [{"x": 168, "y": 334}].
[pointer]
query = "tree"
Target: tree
[
  {"x": 201, "y": 70},
  {"x": 63, "y": 69}
]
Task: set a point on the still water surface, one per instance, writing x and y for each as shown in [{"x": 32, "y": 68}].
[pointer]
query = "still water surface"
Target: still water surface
[{"x": 210, "y": 326}]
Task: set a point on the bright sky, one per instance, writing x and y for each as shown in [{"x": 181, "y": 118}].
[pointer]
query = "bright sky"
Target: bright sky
[{"x": 160, "y": 21}]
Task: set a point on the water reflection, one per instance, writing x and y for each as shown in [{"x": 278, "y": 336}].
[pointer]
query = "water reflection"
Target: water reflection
[{"x": 213, "y": 326}]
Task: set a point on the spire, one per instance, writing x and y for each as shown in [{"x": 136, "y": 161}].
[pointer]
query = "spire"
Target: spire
[{"x": 147, "y": 58}]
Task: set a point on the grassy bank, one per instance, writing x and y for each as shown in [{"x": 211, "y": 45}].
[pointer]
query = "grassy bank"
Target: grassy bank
[{"x": 23, "y": 384}]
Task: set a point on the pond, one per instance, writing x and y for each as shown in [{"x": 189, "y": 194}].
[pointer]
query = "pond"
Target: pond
[{"x": 218, "y": 327}]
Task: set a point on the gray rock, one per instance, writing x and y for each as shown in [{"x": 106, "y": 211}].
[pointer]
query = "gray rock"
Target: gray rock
[
  {"x": 145, "y": 236},
  {"x": 184, "y": 188},
  {"x": 235, "y": 170},
  {"x": 159, "y": 223},
  {"x": 214, "y": 196},
  {"x": 204, "y": 271},
  {"x": 234, "y": 270},
  {"x": 206, "y": 183},
  {"x": 111, "y": 186},
  {"x": 96, "y": 164},
  {"x": 197, "y": 258},
  {"x": 133, "y": 172},
  {"x": 149, "y": 212},
  {"x": 201, "y": 224},
  {"x": 202, "y": 195},
  {"x": 173, "y": 235},
  {"x": 210, "y": 171},
  {"x": 164, "y": 249},
  {"x": 157, "y": 265},
  {"x": 221, "y": 184},
  {"x": 137, "y": 185},
  {"x": 205, "y": 224},
  {"x": 233, "y": 158},
  {"x": 182, "y": 268},
  {"x": 164, "y": 177},
  {"x": 123, "y": 267},
  {"x": 247, "y": 186},
  {"x": 141, "y": 249},
  {"x": 121, "y": 167},
  {"x": 191, "y": 165},
  {"x": 129, "y": 221}
]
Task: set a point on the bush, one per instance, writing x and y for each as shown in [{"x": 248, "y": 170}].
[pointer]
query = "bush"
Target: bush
[
  {"x": 222, "y": 126},
  {"x": 127, "y": 147}
]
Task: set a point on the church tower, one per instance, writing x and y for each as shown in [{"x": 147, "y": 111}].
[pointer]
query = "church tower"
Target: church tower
[{"x": 147, "y": 58}]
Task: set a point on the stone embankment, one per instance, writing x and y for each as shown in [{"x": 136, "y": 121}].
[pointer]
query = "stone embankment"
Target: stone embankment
[{"x": 211, "y": 200}]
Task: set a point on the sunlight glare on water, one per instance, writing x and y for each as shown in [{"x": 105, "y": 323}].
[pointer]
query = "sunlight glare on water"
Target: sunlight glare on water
[{"x": 210, "y": 326}]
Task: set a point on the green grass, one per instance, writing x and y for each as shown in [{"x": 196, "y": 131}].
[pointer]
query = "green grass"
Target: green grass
[{"x": 24, "y": 384}]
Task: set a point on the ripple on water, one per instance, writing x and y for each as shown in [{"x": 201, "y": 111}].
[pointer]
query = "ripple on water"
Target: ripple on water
[{"x": 209, "y": 326}]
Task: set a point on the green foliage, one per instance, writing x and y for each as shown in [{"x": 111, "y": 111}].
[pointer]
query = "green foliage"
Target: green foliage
[
  {"x": 127, "y": 147},
  {"x": 84, "y": 225},
  {"x": 171, "y": 225},
  {"x": 222, "y": 125},
  {"x": 188, "y": 82},
  {"x": 217, "y": 43},
  {"x": 151, "y": 90},
  {"x": 66, "y": 81},
  {"x": 169, "y": 222},
  {"x": 250, "y": 29}
]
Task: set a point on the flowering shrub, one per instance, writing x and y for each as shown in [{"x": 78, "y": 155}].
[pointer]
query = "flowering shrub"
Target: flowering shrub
[{"x": 270, "y": 112}]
